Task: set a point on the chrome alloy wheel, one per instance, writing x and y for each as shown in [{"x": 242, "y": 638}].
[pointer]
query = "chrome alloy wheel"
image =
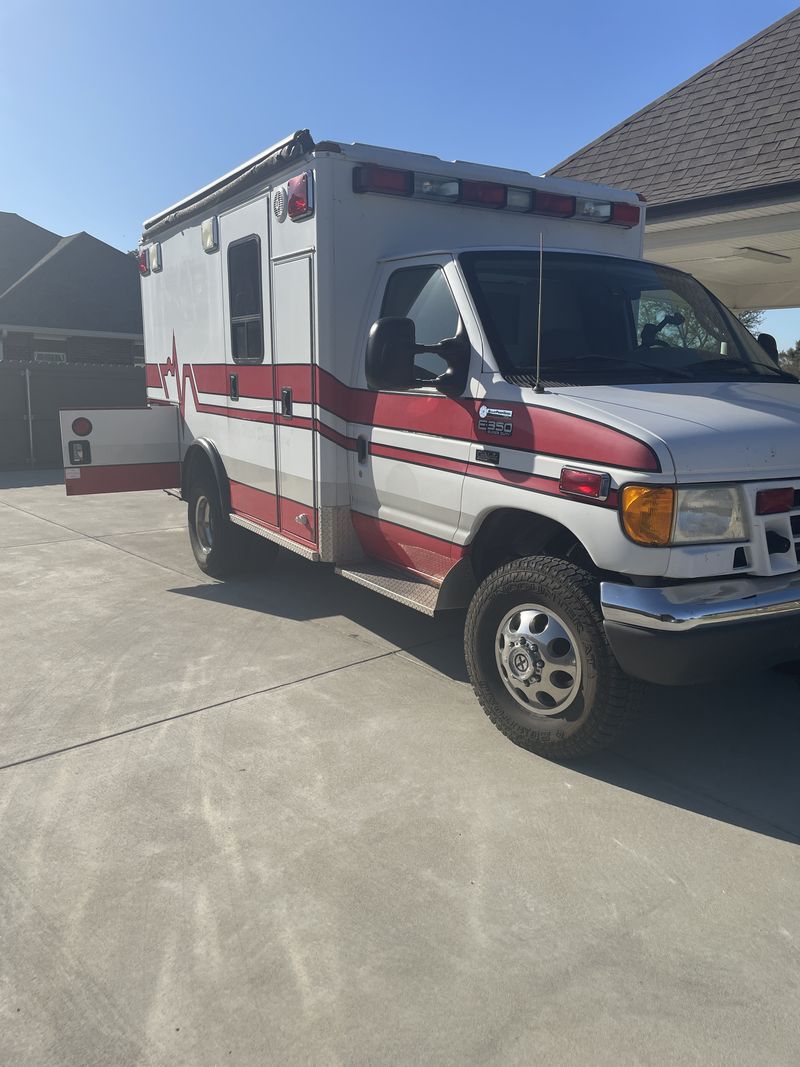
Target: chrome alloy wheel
[
  {"x": 203, "y": 523},
  {"x": 539, "y": 659}
]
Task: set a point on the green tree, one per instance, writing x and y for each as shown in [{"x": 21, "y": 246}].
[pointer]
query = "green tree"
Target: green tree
[
  {"x": 752, "y": 319},
  {"x": 790, "y": 359}
]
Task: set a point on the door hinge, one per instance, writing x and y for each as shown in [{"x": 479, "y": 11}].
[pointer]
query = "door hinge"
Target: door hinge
[{"x": 362, "y": 448}]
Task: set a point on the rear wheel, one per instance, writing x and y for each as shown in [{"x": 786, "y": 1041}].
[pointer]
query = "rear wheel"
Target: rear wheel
[
  {"x": 217, "y": 548},
  {"x": 539, "y": 661}
]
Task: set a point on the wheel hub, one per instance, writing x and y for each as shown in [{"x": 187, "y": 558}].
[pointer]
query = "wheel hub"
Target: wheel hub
[
  {"x": 203, "y": 523},
  {"x": 523, "y": 661},
  {"x": 538, "y": 659}
]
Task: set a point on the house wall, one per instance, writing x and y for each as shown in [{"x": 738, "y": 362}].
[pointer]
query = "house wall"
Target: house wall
[{"x": 20, "y": 346}]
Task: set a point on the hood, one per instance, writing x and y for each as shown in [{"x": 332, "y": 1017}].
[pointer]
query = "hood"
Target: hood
[{"x": 713, "y": 430}]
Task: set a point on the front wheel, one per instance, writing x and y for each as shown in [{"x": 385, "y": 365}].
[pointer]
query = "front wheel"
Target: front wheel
[{"x": 539, "y": 661}]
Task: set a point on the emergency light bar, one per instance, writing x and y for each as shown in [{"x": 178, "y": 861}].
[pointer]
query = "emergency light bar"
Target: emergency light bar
[{"x": 370, "y": 178}]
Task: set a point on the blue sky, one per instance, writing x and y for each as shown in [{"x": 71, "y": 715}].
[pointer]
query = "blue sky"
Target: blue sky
[{"x": 110, "y": 111}]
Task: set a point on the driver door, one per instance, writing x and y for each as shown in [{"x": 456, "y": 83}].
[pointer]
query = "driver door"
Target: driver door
[{"x": 407, "y": 475}]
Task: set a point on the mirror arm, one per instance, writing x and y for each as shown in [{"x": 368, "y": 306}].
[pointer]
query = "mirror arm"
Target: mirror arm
[{"x": 455, "y": 351}]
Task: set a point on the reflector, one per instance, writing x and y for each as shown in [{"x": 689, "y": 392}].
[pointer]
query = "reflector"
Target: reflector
[
  {"x": 775, "y": 501},
  {"x": 81, "y": 427},
  {"x": 144, "y": 261},
  {"x": 584, "y": 483}
]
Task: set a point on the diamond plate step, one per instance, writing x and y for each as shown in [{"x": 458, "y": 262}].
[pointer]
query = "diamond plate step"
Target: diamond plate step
[{"x": 396, "y": 584}]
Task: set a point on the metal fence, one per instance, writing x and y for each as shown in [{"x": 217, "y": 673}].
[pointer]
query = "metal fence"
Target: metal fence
[{"x": 31, "y": 395}]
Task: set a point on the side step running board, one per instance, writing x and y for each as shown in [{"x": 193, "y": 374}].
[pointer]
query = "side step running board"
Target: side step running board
[{"x": 396, "y": 584}]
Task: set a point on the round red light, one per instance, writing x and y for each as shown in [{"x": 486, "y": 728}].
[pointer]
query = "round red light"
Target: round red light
[{"x": 81, "y": 427}]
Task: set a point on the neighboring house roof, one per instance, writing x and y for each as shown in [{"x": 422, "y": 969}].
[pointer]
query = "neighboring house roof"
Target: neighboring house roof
[
  {"x": 733, "y": 126},
  {"x": 22, "y": 244},
  {"x": 73, "y": 283}
]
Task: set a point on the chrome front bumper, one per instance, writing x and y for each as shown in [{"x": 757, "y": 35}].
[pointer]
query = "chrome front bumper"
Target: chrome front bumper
[{"x": 680, "y": 608}]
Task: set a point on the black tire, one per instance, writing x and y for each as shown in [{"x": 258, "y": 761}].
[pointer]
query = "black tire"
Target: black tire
[
  {"x": 218, "y": 549},
  {"x": 601, "y": 697}
]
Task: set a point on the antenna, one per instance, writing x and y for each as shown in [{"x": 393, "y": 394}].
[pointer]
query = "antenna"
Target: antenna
[{"x": 538, "y": 387}]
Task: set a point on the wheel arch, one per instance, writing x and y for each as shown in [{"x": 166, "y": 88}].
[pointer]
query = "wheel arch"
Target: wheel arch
[
  {"x": 203, "y": 453},
  {"x": 505, "y": 534}
]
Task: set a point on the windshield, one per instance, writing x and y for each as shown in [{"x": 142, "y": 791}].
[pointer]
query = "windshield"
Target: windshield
[{"x": 608, "y": 320}]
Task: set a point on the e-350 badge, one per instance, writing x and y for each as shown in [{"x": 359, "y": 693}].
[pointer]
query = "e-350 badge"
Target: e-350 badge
[{"x": 495, "y": 421}]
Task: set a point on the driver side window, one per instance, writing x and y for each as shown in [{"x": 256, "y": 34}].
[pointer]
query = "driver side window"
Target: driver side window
[{"x": 423, "y": 295}]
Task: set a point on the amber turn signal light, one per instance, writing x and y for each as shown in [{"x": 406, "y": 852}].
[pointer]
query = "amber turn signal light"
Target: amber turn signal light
[{"x": 647, "y": 513}]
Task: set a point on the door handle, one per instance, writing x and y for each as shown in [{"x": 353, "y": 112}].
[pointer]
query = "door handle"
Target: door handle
[
  {"x": 362, "y": 448},
  {"x": 286, "y": 403},
  {"x": 234, "y": 390}
]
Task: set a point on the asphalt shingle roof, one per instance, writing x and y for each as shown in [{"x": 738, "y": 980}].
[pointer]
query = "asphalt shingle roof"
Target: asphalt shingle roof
[
  {"x": 22, "y": 244},
  {"x": 733, "y": 126},
  {"x": 68, "y": 283}
]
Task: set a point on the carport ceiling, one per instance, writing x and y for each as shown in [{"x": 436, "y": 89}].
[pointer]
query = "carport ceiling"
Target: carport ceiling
[
  {"x": 749, "y": 255},
  {"x": 718, "y": 160}
]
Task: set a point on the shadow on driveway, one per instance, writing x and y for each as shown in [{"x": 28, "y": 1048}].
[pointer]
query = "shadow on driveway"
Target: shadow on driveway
[{"x": 729, "y": 752}]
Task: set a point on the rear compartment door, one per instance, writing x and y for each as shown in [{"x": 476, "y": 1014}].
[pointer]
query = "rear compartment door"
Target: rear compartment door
[
  {"x": 120, "y": 450},
  {"x": 293, "y": 325}
]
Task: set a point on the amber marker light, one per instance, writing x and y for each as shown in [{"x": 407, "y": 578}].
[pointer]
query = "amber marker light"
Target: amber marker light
[{"x": 647, "y": 513}]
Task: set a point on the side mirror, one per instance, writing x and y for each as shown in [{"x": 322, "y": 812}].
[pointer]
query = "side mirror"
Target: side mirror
[
  {"x": 391, "y": 348},
  {"x": 769, "y": 344}
]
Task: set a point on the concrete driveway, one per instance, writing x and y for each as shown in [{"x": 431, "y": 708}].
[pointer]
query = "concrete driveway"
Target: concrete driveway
[{"x": 266, "y": 822}]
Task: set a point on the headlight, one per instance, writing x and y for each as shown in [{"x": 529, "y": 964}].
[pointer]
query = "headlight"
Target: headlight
[
  {"x": 661, "y": 515},
  {"x": 713, "y": 513}
]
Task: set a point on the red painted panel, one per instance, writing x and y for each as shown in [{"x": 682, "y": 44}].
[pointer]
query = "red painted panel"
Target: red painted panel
[
  {"x": 254, "y": 503},
  {"x": 151, "y": 376},
  {"x": 124, "y": 478},
  {"x": 290, "y": 509},
  {"x": 430, "y": 556},
  {"x": 257, "y": 504}
]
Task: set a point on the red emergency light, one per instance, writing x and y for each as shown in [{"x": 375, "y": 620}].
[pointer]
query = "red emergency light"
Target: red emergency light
[
  {"x": 300, "y": 196},
  {"x": 484, "y": 194},
  {"x": 562, "y": 207},
  {"x": 625, "y": 215},
  {"x": 370, "y": 178}
]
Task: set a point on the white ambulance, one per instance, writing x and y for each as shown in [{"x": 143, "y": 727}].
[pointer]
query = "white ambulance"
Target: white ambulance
[{"x": 463, "y": 387}]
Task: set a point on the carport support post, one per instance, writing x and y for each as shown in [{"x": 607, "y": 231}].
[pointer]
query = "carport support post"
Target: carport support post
[{"x": 30, "y": 412}]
